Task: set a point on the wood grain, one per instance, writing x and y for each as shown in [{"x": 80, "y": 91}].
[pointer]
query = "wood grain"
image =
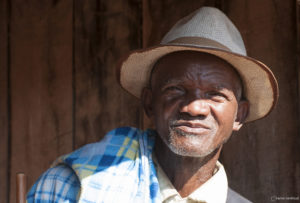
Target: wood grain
[
  {"x": 4, "y": 113},
  {"x": 41, "y": 86},
  {"x": 261, "y": 159},
  {"x": 104, "y": 31},
  {"x": 297, "y": 174}
]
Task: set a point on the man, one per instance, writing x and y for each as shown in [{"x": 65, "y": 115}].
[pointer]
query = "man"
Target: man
[{"x": 197, "y": 87}]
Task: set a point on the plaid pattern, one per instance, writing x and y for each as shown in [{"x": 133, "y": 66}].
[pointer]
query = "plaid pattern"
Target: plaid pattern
[
  {"x": 58, "y": 184},
  {"x": 117, "y": 169}
]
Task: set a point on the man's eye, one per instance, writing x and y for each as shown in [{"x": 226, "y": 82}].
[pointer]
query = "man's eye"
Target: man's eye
[
  {"x": 173, "y": 91},
  {"x": 173, "y": 88},
  {"x": 216, "y": 95}
]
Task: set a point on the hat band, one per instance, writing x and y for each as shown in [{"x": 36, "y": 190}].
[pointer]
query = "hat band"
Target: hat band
[{"x": 197, "y": 41}]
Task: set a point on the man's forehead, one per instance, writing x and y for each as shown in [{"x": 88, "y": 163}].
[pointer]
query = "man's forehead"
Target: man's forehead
[
  {"x": 216, "y": 84},
  {"x": 213, "y": 82},
  {"x": 191, "y": 65},
  {"x": 196, "y": 68}
]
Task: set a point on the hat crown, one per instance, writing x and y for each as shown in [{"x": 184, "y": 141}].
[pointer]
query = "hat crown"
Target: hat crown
[{"x": 209, "y": 23}]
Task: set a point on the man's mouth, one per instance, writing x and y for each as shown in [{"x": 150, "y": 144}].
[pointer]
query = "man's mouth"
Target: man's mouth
[{"x": 190, "y": 127}]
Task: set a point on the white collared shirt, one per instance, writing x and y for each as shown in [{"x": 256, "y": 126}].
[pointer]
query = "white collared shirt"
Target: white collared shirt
[{"x": 213, "y": 190}]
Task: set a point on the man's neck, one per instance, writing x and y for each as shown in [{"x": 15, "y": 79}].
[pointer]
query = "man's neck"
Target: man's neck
[{"x": 185, "y": 173}]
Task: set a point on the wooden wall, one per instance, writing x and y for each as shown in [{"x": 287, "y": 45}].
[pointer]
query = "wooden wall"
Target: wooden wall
[
  {"x": 267, "y": 155},
  {"x": 58, "y": 89}
]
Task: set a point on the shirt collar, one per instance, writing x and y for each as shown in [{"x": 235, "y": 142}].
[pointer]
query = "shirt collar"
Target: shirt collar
[{"x": 205, "y": 193}]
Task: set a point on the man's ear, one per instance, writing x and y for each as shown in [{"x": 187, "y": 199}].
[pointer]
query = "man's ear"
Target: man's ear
[
  {"x": 243, "y": 109},
  {"x": 147, "y": 101}
]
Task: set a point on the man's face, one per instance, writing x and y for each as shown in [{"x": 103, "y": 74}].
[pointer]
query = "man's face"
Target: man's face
[{"x": 194, "y": 102}]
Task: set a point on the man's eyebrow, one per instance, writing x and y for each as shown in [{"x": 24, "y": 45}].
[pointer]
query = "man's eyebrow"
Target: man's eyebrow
[
  {"x": 219, "y": 87},
  {"x": 171, "y": 81},
  {"x": 177, "y": 81}
]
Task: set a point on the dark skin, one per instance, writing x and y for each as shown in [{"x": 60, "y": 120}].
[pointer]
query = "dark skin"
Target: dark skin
[{"x": 195, "y": 103}]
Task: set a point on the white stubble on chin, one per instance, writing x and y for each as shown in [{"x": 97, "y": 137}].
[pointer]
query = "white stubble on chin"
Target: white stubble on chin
[{"x": 186, "y": 149}]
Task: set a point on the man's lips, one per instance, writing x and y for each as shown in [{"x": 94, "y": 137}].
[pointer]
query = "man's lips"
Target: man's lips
[{"x": 191, "y": 127}]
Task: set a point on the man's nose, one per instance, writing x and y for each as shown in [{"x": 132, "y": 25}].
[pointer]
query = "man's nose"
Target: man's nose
[{"x": 197, "y": 107}]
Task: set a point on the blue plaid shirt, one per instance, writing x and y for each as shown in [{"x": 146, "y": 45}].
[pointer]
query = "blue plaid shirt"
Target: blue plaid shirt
[{"x": 117, "y": 169}]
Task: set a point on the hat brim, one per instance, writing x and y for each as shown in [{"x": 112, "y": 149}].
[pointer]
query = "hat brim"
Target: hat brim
[{"x": 260, "y": 85}]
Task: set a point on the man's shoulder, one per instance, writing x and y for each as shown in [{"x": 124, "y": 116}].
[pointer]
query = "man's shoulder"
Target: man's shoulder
[
  {"x": 58, "y": 184},
  {"x": 118, "y": 146},
  {"x": 234, "y": 197},
  {"x": 117, "y": 137}
]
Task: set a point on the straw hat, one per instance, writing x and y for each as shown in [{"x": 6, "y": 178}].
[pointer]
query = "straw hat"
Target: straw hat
[{"x": 205, "y": 30}]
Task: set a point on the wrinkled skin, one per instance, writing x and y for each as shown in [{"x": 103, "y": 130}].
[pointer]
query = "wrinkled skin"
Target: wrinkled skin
[{"x": 194, "y": 100}]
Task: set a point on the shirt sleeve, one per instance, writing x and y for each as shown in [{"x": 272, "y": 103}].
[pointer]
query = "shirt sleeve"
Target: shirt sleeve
[{"x": 58, "y": 184}]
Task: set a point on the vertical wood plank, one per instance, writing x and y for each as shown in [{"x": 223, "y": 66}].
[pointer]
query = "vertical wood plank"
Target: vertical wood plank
[
  {"x": 4, "y": 147},
  {"x": 21, "y": 189},
  {"x": 298, "y": 68},
  {"x": 104, "y": 31},
  {"x": 41, "y": 85},
  {"x": 261, "y": 159}
]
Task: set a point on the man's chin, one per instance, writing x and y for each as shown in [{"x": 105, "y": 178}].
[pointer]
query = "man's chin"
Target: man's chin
[
  {"x": 188, "y": 145},
  {"x": 182, "y": 151}
]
